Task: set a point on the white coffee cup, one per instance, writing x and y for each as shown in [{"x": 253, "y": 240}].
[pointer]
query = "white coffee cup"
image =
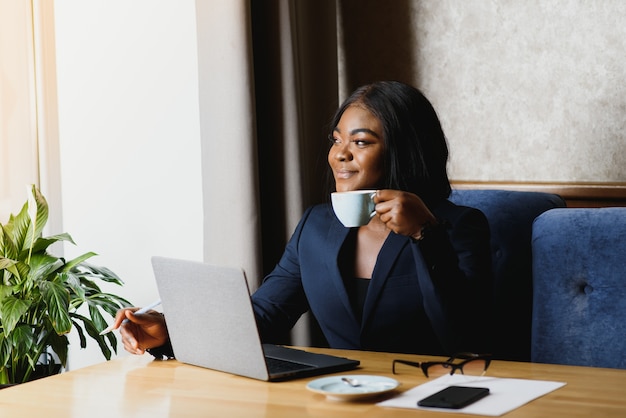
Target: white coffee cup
[{"x": 354, "y": 208}]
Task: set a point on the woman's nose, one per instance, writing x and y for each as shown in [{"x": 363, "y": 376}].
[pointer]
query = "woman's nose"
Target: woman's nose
[{"x": 342, "y": 151}]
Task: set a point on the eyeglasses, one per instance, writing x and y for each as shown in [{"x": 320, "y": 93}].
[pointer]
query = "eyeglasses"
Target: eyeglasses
[{"x": 471, "y": 364}]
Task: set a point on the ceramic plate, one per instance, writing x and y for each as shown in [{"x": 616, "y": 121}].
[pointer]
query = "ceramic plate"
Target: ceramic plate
[{"x": 337, "y": 389}]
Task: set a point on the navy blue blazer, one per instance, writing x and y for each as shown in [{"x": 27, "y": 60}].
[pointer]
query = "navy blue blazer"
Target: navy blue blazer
[{"x": 430, "y": 296}]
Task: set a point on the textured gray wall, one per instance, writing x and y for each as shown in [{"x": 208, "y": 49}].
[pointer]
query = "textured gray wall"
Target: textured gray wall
[{"x": 526, "y": 90}]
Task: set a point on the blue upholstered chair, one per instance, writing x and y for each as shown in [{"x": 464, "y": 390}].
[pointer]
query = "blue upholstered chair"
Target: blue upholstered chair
[
  {"x": 510, "y": 215},
  {"x": 579, "y": 273}
]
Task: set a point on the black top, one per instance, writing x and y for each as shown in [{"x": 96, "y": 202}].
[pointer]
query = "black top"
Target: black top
[{"x": 357, "y": 292}]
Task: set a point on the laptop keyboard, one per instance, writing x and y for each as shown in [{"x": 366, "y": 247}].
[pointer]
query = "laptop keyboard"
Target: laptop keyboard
[{"x": 275, "y": 365}]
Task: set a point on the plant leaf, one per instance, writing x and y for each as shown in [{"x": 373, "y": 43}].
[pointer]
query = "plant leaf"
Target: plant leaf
[
  {"x": 74, "y": 263},
  {"x": 5, "y": 263},
  {"x": 79, "y": 329},
  {"x": 41, "y": 244},
  {"x": 59, "y": 344},
  {"x": 57, "y": 300},
  {"x": 95, "y": 334},
  {"x": 108, "y": 302},
  {"x": 8, "y": 248},
  {"x": 96, "y": 317},
  {"x": 17, "y": 269},
  {"x": 11, "y": 311},
  {"x": 5, "y": 290},
  {"x": 102, "y": 273},
  {"x": 44, "y": 266},
  {"x": 5, "y": 350},
  {"x": 21, "y": 340},
  {"x": 17, "y": 228},
  {"x": 37, "y": 210},
  {"x": 77, "y": 292}
]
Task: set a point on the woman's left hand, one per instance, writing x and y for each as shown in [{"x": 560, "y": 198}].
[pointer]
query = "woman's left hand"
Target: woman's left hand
[{"x": 402, "y": 212}]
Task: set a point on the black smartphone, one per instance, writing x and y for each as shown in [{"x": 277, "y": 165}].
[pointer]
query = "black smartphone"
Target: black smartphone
[{"x": 454, "y": 397}]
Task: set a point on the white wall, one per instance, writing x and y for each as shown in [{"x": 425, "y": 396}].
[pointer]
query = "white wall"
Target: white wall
[{"x": 129, "y": 138}]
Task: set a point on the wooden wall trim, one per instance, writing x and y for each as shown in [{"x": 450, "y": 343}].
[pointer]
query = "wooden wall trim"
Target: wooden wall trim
[{"x": 575, "y": 194}]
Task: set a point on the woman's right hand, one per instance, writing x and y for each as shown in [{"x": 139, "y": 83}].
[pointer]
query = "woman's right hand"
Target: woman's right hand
[
  {"x": 141, "y": 331},
  {"x": 402, "y": 212}
]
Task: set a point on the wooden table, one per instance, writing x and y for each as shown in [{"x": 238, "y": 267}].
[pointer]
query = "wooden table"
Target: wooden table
[{"x": 137, "y": 386}]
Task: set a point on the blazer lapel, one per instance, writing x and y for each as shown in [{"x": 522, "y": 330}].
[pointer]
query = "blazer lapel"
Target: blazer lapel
[
  {"x": 386, "y": 258},
  {"x": 337, "y": 234}
]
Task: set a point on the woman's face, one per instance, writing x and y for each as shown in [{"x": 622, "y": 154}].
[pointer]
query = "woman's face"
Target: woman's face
[{"x": 356, "y": 156}]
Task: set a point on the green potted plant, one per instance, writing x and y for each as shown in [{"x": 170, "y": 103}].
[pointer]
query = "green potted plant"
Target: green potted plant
[{"x": 40, "y": 297}]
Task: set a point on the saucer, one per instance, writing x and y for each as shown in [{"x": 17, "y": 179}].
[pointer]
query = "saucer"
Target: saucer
[{"x": 368, "y": 386}]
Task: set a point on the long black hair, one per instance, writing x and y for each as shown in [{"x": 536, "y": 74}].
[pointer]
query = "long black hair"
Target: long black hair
[{"x": 416, "y": 152}]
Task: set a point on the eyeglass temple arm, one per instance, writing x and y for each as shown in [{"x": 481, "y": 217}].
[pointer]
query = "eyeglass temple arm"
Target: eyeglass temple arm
[
  {"x": 407, "y": 362},
  {"x": 468, "y": 356}
]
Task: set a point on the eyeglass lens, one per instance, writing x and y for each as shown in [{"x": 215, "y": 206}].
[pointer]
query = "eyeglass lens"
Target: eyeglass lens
[{"x": 474, "y": 367}]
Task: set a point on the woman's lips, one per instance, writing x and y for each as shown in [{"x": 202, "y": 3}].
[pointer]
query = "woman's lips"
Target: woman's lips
[{"x": 344, "y": 174}]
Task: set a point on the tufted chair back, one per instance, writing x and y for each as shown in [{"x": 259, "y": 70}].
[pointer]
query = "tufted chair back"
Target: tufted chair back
[
  {"x": 579, "y": 273},
  {"x": 510, "y": 215}
]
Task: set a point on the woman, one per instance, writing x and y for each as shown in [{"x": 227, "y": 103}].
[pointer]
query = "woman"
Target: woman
[{"x": 415, "y": 279}]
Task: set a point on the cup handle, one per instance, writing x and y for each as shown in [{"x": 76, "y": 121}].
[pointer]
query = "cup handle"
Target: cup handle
[{"x": 372, "y": 198}]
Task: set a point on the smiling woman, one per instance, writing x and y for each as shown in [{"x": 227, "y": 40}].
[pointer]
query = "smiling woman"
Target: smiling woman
[{"x": 415, "y": 279}]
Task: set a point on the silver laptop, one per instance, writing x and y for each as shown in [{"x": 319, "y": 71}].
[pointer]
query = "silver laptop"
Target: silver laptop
[{"x": 211, "y": 324}]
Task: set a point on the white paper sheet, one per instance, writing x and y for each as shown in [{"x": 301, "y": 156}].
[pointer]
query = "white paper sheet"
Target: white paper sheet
[{"x": 504, "y": 394}]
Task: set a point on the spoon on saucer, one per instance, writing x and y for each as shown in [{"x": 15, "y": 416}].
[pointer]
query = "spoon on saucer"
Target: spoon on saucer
[{"x": 352, "y": 382}]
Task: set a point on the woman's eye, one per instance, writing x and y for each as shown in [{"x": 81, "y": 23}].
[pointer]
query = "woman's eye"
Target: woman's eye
[{"x": 360, "y": 142}]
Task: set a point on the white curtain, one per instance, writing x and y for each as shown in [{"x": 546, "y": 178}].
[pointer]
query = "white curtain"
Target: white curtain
[
  {"x": 18, "y": 129},
  {"x": 227, "y": 127},
  {"x": 28, "y": 119}
]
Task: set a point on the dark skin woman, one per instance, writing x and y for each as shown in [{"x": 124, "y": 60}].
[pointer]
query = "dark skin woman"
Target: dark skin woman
[{"x": 416, "y": 279}]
